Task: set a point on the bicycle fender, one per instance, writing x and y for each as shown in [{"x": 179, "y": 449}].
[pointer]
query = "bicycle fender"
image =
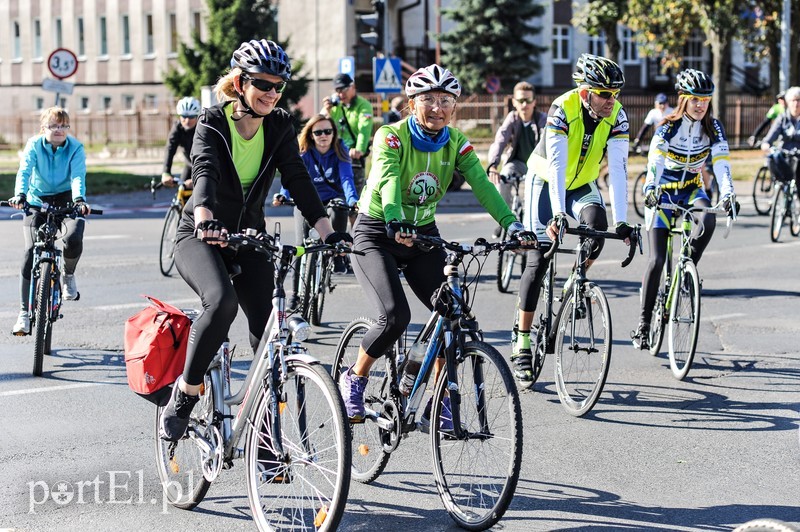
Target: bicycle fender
[{"x": 303, "y": 357}]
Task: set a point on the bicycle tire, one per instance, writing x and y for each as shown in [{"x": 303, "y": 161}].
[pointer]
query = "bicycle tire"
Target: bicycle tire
[
  {"x": 637, "y": 194},
  {"x": 657, "y": 321},
  {"x": 318, "y": 293},
  {"x": 581, "y": 367},
  {"x": 169, "y": 237},
  {"x": 778, "y": 214},
  {"x": 309, "y": 492},
  {"x": 476, "y": 476},
  {"x": 684, "y": 320},
  {"x": 505, "y": 266},
  {"x": 369, "y": 459},
  {"x": 762, "y": 190},
  {"x": 794, "y": 212},
  {"x": 181, "y": 475},
  {"x": 44, "y": 289},
  {"x": 306, "y": 288},
  {"x": 766, "y": 525}
]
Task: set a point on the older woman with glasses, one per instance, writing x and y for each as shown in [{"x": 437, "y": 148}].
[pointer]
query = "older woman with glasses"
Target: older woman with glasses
[{"x": 413, "y": 164}]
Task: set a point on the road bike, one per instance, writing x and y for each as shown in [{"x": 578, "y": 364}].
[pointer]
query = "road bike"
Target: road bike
[
  {"x": 578, "y": 332},
  {"x": 763, "y": 190},
  {"x": 44, "y": 300},
  {"x": 477, "y": 461},
  {"x": 296, "y": 436},
  {"x": 169, "y": 232},
  {"x": 506, "y": 259},
  {"x": 678, "y": 299},
  {"x": 785, "y": 208},
  {"x": 637, "y": 197}
]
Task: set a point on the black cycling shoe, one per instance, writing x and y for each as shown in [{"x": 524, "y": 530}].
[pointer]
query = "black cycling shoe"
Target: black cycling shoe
[
  {"x": 523, "y": 365},
  {"x": 175, "y": 416},
  {"x": 641, "y": 337}
]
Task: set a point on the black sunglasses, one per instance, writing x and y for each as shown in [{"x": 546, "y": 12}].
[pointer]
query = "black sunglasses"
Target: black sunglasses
[
  {"x": 266, "y": 86},
  {"x": 320, "y": 132},
  {"x": 524, "y": 100},
  {"x": 188, "y": 116}
]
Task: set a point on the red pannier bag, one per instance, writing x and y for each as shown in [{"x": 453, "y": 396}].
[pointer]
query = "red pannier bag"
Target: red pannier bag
[{"x": 155, "y": 349}]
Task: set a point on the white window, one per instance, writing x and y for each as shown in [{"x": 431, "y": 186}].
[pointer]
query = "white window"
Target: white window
[
  {"x": 126, "y": 35},
  {"x": 630, "y": 52},
  {"x": 102, "y": 31},
  {"x": 58, "y": 34},
  {"x": 695, "y": 52},
  {"x": 597, "y": 44},
  {"x": 151, "y": 102},
  {"x": 173, "y": 35},
  {"x": 37, "y": 39},
  {"x": 562, "y": 43},
  {"x": 17, "y": 41},
  {"x": 149, "y": 43},
  {"x": 81, "y": 38}
]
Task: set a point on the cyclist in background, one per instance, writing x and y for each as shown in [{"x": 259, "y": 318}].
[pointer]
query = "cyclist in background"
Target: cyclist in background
[
  {"x": 412, "y": 167},
  {"x": 690, "y": 129},
  {"x": 515, "y": 140},
  {"x": 582, "y": 125},
  {"x": 786, "y": 128},
  {"x": 654, "y": 118},
  {"x": 52, "y": 170},
  {"x": 326, "y": 159},
  {"x": 352, "y": 115},
  {"x": 182, "y": 134},
  {"x": 774, "y": 112},
  {"x": 238, "y": 146}
]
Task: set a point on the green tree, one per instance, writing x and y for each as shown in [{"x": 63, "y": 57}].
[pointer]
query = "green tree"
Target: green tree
[
  {"x": 229, "y": 24},
  {"x": 600, "y": 17},
  {"x": 491, "y": 38}
]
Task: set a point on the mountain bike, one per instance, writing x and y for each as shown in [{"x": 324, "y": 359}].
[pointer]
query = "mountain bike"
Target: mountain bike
[
  {"x": 44, "y": 300},
  {"x": 296, "y": 436},
  {"x": 579, "y": 331},
  {"x": 785, "y": 206},
  {"x": 169, "y": 233},
  {"x": 678, "y": 299},
  {"x": 506, "y": 259},
  {"x": 763, "y": 190},
  {"x": 477, "y": 462}
]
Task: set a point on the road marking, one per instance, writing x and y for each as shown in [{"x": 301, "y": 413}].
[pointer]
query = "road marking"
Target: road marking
[
  {"x": 105, "y": 237},
  {"x": 121, "y": 306},
  {"x": 723, "y": 317},
  {"x": 54, "y": 388}
]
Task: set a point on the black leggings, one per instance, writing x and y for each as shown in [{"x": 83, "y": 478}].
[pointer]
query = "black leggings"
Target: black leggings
[
  {"x": 593, "y": 216},
  {"x": 205, "y": 268},
  {"x": 658, "y": 254},
  {"x": 378, "y": 275}
]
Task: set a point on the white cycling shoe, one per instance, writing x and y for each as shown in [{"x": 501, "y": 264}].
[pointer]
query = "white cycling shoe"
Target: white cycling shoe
[
  {"x": 70, "y": 288},
  {"x": 23, "y": 325}
]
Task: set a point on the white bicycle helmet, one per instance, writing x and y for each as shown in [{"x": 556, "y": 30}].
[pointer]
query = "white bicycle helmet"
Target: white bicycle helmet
[
  {"x": 188, "y": 106},
  {"x": 432, "y": 78}
]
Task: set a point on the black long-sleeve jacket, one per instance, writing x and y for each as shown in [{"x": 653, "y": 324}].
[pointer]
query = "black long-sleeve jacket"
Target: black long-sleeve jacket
[
  {"x": 216, "y": 182},
  {"x": 178, "y": 136}
]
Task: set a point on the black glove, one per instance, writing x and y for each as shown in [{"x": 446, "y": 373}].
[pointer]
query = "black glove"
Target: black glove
[
  {"x": 336, "y": 237},
  {"x": 729, "y": 202},
  {"x": 280, "y": 198},
  {"x": 624, "y": 229},
  {"x": 394, "y": 227},
  {"x": 81, "y": 206},
  {"x": 209, "y": 225},
  {"x": 650, "y": 199},
  {"x": 517, "y": 231},
  {"x": 18, "y": 201}
]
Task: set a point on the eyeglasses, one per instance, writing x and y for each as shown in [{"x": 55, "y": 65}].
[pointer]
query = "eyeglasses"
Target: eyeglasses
[
  {"x": 320, "y": 132},
  {"x": 191, "y": 117},
  {"x": 442, "y": 102},
  {"x": 57, "y": 127},
  {"x": 266, "y": 86},
  {"x": 605, "y": 94},
  {"x": 523, "y": 101}
]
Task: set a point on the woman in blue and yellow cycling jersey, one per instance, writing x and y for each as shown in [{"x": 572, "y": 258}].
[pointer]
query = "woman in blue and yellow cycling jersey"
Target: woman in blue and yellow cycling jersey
[
  {"x": 413, "y": 164},
  {"x": 678, "y": 151}
]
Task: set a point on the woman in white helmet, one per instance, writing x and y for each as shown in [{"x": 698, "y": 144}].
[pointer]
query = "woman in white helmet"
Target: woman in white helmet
[
  {"x": 413, "y": 164},
  {"x": 181, "y": 135}
]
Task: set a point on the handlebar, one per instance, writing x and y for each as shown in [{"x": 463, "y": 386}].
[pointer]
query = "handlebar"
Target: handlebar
[
  {"x": 334, "y": 203},
  {"x": 668, "y": 204},
  {"x": 265, "y": 243},
  {"x": 71, "y": 212},
  {"x": 156, "y": 183},
  {"x": 588, "y": 232}
]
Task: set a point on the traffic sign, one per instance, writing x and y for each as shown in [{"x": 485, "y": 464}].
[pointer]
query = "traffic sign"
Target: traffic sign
[
  {"x": 347, "y": 65},
  {"x": 492, "y": 84},
  {"x": 62, "y": 63},
  {"x": 57, "y": 86},
  {"x": 387, "y": 74}
]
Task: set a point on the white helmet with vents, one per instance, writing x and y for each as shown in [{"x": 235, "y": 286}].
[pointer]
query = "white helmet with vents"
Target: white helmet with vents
[{"x": 432, "y": 78}]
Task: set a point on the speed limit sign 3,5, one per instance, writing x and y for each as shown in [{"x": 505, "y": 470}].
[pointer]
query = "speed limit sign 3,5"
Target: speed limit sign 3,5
[{"x": 62, "y": 63}]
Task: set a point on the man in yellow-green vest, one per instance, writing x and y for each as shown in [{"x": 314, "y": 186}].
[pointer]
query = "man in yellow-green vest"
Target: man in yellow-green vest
[{"x": 583, "y": 125}]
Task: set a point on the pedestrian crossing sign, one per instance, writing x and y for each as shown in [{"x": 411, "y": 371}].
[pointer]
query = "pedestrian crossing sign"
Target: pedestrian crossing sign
[{"x": 386, "y": 74}]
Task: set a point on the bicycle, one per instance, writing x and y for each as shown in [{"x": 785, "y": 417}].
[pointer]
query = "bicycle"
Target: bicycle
[
  {"x": 786, "y": 202},
  {"x": 44, "y": 300},
  {"x": 507, "y": 260},
  {"x": 297, "y": 444},
  {"x": 637, "y": 197},
  {"x": 477, "y": 462},
  {"x": 169, "y": 233},
  {"x": 678, "y": 299},
  {"x": 579, "y": 332},
  {"x": 763, "y": 190}
]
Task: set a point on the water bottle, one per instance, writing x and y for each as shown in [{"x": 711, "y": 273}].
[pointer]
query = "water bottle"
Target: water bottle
[{"x": 413, "y": 362}]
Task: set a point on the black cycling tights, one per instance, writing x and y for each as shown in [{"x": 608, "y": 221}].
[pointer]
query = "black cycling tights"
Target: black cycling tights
[
  {"x": 205, "y": 268},
  {"x": 658, "y": 254}
]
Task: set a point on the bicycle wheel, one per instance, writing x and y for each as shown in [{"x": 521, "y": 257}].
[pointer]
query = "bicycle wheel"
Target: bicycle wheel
[
  {"x": 306, "y": 287},
  {"x": 307, "y": 490},
  {"x": 317, "y": 299},
  {"x": 369, "y": 459},
  {"x": 44, "y": 289},
  {"x": 505, "y": 266},
  {"x": 794, "y": 213},
  {"x": 762, "y": 190},
  {"x": 476, "y": 475},
  {"x": 583, "y": 350},
  {"x": 684, "y": 320},
  {"x": 638, "y": 195},
  {"x": 778, "y": 213},
  {"x": 657, "y": 321},
  {"x": 169, "y": 236},
  {"x": 181, "y": 464}
]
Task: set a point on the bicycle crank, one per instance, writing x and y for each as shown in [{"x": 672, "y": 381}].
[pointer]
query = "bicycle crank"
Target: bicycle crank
[{"x": 390, "y": 438}]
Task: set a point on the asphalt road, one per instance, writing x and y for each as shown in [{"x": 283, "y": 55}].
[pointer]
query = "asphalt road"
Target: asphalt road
[{"x": 708, "y": 453}]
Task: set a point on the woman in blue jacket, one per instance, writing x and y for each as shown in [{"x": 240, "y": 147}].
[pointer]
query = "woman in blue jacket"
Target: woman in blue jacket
[{"x": 52, "y": 170}]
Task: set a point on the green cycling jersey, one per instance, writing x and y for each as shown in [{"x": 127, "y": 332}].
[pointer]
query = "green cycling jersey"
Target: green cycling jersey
[
  {"x": 406, "y": 184},
  {"x": 354, "y": 123}
]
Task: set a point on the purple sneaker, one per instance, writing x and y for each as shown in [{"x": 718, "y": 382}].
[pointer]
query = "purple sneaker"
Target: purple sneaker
[{"x": 352, "y": 389}]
